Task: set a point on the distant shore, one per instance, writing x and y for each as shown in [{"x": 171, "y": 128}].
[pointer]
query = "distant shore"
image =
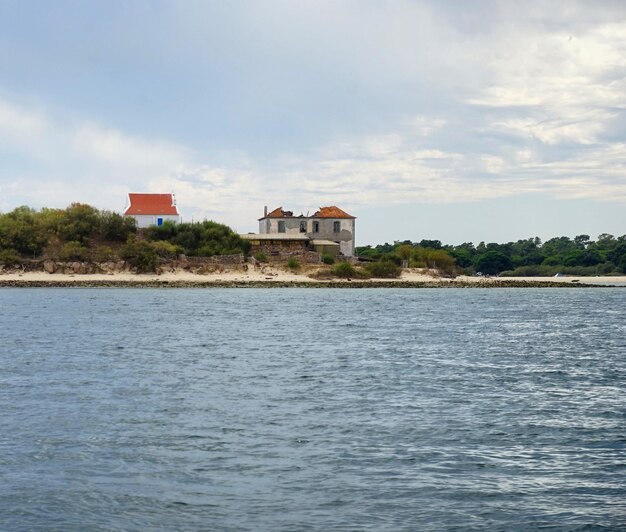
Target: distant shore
[{"x": 282, "y": 278}]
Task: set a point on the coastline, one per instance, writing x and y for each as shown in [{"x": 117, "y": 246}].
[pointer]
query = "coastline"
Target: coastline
[{"x": 284, "y": 279}]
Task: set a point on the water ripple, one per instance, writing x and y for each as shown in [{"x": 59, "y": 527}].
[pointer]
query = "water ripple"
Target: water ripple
[{"x": 290, "y": 409}]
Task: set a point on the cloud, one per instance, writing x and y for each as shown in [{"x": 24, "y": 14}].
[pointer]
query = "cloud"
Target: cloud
[{"x": 351, "y": 103}]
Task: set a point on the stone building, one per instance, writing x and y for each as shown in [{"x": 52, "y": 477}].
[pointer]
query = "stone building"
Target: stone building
[{"x": 327, "y": 228}]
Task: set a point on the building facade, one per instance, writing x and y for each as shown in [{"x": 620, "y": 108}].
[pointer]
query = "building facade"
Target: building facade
[{"x": 328, "y": 224}]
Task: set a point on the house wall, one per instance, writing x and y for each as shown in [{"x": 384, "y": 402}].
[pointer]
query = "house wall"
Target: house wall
[
  {"x": 145, "y": 220},
  {"x": 345, "y": 236}
]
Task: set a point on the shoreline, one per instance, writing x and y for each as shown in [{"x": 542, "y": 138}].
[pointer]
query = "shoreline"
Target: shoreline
[{"x": 286, "y": 279}]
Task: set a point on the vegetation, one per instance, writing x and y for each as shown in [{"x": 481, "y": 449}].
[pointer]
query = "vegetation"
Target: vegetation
[
  {"x": 327, "y": 258},
  {"x": 81, "y": 233},
  {"x": 140, "y": 254},
  {"x": 577, "y": 256},
  {"x": 384, "y": 269},
  {"x": 203, "y": 239},
  {"x": 293, "y": 263},
  {"x": 344, "y": 270}
]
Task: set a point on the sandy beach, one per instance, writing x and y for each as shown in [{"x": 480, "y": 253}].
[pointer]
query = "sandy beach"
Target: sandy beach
[{"x": 269, "y": 276}]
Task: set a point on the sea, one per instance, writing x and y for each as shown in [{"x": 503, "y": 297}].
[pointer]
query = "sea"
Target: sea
[{"x": 312, "y": 409}]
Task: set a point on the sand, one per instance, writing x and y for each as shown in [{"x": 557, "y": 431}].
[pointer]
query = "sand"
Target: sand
[{"x": 275, "y": 275}]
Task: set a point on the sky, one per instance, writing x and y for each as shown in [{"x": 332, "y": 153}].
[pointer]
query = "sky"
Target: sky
[{"x": 459, "y": 121}]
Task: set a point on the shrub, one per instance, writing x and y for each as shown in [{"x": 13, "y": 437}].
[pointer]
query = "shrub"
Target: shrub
[
  {"x": 384, "y": 269},
  {"x": 327, "y": 258},
  {"x": 293, "y": 263},
  {"x": 260, "y": 256},
  {"x": 141, "y": 255},
  {"x": 344, "y": 270},
  {"x": 9, "y": 256},
  {"x": 114, "y": 226},
  {"x": 163, "y": 248},
  {"x": 74, "y": 250},
  {"x": 104, "y": 254},
  {"x": 78, "y": 223}
]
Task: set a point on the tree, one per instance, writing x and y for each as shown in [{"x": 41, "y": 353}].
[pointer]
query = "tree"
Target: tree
[{"x": 493, "y": 262}]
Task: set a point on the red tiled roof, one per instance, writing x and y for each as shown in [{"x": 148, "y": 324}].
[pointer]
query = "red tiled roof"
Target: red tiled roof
[
  {"x": 331, "y": 212},
  {"x": 276, "y": 213},
  {"x": 151, "y": 204}
]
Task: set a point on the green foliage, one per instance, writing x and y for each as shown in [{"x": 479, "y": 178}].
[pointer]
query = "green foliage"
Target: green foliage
[
  {"x": 166, "y": 249},
  {"x": 115, "y": 227},
  {"x": 368, "y": 252},
  {"x": 141, "y": 255},
  {"x": 493, "y": 262},
  {"x": 343, "y": 270},
  {"x": 580, "y": 255},
  {"x": 9, "y": 256},
  {"x": 385, "y": 269},
  {"x": 437, "y": 259},
  {"x": 104, "y": 254},
  {"x": 327, "y": 258},
  {"x": 21, "y": 230},
  {"x": 199, "y": 239},
  {"x": 74, "y": 250},
  {"x": 78, "y": 223},
  {"x": 260, "y": 256},
  {"x": 293, "y": 263}
]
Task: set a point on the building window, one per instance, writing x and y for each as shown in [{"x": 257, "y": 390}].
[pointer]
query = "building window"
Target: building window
[
  {"x": 316, "y": 227},
  {"x": 281, "y": 227},
  {"x": 303, "y": 227},
  {"x": 336, "y": 227}
]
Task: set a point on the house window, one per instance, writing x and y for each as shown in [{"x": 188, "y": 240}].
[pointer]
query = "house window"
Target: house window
[
  {"x": 316, "y": 227},
  {"x": 336, "y": 227},
  {"x": 303, "y": 227},
  {"x": 281, "y": 227}
]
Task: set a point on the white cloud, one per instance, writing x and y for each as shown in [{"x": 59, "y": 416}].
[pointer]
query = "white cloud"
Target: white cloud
[{"x": 408, "y": 103}]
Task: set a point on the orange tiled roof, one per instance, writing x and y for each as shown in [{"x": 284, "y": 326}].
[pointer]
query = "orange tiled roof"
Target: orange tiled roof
[
  {"x": 331, "y": 212},
  {"x": 151, "y": 204},
  {"x": 276, "y": 213}
]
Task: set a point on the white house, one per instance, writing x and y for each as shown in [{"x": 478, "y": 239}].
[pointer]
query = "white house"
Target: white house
[{"x": 152, "y": 209}]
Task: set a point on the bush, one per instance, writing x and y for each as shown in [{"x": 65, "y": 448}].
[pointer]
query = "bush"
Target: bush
[
  {"x": 78, "y": 223},
  {"x": 74, "y": 251},
  {"x": 293, "y": 263},
  {"x": 260, "y": 256},
  {"x": 383, "y": 270},
  {"x": 163, "y": 248},
  {"x": 9, "y": 256},
  {"x": 104, "y": 254},
  {"x": 114, "y": 226},
  {"x": 327, "y": 258},
  {"x": 141, "y": 255},
  {"x": 344, "y": 270}
]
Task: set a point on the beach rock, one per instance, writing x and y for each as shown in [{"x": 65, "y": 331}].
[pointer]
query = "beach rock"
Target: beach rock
[{"x": 49, "y": 266}]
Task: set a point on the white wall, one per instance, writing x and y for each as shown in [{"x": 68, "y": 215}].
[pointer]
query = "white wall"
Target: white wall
[{"x": 145, "y": 220}]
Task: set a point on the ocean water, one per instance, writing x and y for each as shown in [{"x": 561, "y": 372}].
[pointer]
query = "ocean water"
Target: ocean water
[{"x": 312, "y": 409}]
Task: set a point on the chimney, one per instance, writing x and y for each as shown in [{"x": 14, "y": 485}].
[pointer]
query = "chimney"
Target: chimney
[{"x": 265, "y": 211}]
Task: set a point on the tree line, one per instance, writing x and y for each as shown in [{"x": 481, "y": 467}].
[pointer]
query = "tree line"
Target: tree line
[{"x": 530, "y": 257}]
